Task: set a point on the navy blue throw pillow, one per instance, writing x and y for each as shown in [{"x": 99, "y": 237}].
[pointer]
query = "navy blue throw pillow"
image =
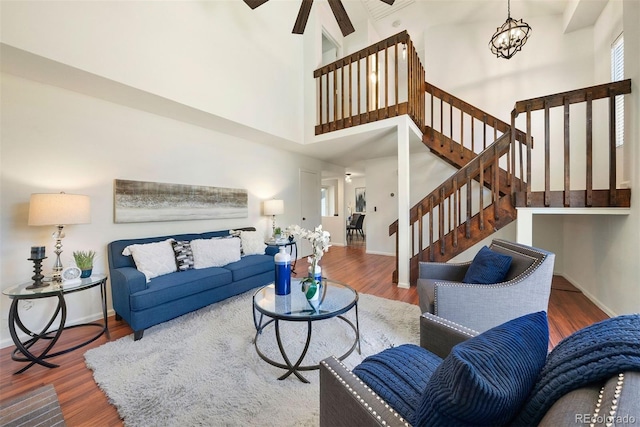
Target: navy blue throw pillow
[
  {"x": 488, "y": 267},
  {"x": 399, "y": 375},
  {"x": 485, "y": 380}
]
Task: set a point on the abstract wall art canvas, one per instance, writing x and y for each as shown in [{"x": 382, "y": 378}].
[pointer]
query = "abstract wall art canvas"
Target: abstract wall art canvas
[{"x": 141, "y": 201}]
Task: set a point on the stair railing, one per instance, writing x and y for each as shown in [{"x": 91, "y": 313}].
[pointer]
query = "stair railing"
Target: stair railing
[
  {"x": 570, "y": 195},
  {"x": 464, "y": 128},
  {"x": 459, "y": 210},
  {"x": 380, "y": 81}
]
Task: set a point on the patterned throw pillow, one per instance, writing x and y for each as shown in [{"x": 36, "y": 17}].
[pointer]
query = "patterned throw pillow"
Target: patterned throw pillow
[
  {"x": 485, "y": 380},
  {"x": 488, "y": 267},
  {"x": 183, "y": 254}
]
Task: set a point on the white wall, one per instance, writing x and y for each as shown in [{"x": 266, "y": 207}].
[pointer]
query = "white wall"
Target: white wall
[
  {"x": 601, "y": 253},
  {"x": 58, "y": 140},
  {"x": 212, "y": 56}
]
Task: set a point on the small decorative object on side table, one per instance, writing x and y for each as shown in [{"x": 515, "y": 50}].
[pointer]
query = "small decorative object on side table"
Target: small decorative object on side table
[
  {"x": 37, "y": 256},
  {"x": 84, "y": 261}
]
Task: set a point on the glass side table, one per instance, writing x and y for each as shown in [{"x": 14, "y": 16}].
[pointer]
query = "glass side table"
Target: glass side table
[{"x": 23, "y": 352}]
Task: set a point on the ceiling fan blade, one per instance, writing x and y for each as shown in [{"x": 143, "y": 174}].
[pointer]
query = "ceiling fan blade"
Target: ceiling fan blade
[
  {"x": 255, "y": 3},
  {"x": 341, "y": 16},
  {"x": 303, "y": 17},
  {"x": 389, "y": 2}
]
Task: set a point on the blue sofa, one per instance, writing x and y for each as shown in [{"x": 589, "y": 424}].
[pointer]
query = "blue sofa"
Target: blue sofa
[{"x": 143, "y": 304}]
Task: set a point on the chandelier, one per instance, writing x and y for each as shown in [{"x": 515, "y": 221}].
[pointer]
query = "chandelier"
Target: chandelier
[{"x": 510, "y": 37}]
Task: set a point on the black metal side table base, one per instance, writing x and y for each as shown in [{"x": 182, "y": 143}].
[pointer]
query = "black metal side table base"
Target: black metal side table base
[{"x": 23, "y": 351}]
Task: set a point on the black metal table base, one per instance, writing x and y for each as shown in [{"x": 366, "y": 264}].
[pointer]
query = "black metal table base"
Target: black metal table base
[
  {"x": 23, "y": 353},
  {"x": 295, "y": 368}
]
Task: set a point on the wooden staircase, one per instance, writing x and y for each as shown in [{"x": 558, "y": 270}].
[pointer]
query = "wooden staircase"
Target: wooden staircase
[{"x": 495, "y": 161}]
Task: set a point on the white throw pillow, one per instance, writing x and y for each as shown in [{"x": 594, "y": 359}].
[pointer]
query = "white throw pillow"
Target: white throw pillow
[
  {"x": 153, "y": 259},
  {"x": 252, "y": 243},
  {"x": 216, "y": 252}
]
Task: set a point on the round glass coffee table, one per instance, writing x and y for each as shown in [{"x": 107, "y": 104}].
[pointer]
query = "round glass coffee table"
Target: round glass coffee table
[{"x": 336, "y": 299}]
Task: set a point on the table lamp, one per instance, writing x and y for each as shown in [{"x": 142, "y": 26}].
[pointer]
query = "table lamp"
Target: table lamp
[
  {"x": 59, "y": 209},
  {"x": 273, "y": 207}
]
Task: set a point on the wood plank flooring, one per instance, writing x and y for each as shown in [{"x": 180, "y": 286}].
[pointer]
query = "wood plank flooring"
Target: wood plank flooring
[{"x": 84, "y": 404}]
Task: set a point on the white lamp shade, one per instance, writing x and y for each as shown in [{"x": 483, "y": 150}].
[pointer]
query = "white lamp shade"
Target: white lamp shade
[
  {"x": 59, "y": 209},
  {"x": 273, "y": 207}
]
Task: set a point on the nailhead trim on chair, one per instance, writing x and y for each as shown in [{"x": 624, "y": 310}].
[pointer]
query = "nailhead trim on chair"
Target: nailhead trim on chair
[
  {"x": 511, "y": 282},
  {"x": 451, "y": 326},
  {"x": 608, "y": 417},
  {"x": 362, "y": 401}
]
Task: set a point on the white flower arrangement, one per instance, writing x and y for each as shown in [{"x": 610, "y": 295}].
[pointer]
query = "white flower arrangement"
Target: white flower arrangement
[{"x": 318, "y": 238}]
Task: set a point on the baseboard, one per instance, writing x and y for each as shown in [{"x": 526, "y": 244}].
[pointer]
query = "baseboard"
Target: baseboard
[
  {"x": 591, "y": 298},
  {"x": 8, "y": 342},
  {"x": 380, "y": 253}
]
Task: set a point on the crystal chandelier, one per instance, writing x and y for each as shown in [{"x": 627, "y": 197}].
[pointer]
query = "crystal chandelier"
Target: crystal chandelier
[{"x": 510, "y": 37}]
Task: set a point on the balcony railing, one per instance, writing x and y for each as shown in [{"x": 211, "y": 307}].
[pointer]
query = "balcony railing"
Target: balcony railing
[{"x": 381, "y": 81}]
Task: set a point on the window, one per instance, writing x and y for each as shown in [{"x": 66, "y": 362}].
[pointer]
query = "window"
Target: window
[{"x": 617, "y": 73}]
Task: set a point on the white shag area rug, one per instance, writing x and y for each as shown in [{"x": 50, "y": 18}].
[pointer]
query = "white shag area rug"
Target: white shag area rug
[{"x": 202, "y": 369}]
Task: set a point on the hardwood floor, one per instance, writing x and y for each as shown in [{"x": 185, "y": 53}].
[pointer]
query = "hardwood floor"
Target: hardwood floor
[{"x": 84, "y": 404}]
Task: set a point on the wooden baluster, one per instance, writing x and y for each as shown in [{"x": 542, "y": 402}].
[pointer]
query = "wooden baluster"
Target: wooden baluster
[
  {"x": 420, "y": 231},
  {"x": 481, "y": 195},
  {"x": 367, "y": 82},
  {"x": 495, "y": 186},
  {"x": 342, "y": 97},
  {"x": 473, "y": 133},
  {"x": 589, "y": 195},
  {"x": 335, "y": 97},
  {"x": 547, "y": 155},
  {"x": 567, "y": 154},
  {"x": 468, "y": 220},
  {"x": 350, "y": 92},
  {"x": 450, "y": 125},
  {"x": 528, "y": 191},
  {"x": 320, "y": 99},
  {"x": 386, "y": 81},
  {"x": 441, "y": 121},
  {"x": 377, "y": 84},
  {"x": 449, "y": 212},
  {"x": 512, "y": 131},
  {"x": 328, "y": 102},
  {"x": 432, "y": 124},
  {"x": 431, "y": 256},
  {"x": 462, "y": 134},
  {"x": 397, "y": 99},
  {"x": 456, "y": 212},
  {"x": 484, "y": 131},
  {"x": 612, "y": 149},
  {"x": 441, "y": 221},
  {"x": 359, "y": 84}
]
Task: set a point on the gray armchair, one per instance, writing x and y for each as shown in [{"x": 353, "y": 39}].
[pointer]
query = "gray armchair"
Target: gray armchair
[
  {"x": 525, "y": 289},
  {"x": 347, "y": 401}
]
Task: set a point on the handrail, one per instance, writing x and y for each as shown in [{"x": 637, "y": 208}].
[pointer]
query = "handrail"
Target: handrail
[
  {"x": 574, "y": 96},
  {"x": 565, "y": 99},
  {"x": 380, "y": 81},
  {"x": 467, "y": 173},
  {"x": 482, "y": 116}
]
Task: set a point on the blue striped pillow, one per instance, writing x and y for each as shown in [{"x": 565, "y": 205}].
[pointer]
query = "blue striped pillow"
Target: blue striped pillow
[{"x": 485, "y": 380}]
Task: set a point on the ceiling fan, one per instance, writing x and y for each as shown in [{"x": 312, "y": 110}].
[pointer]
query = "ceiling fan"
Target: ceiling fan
[{"x": 303, "y": 15}]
